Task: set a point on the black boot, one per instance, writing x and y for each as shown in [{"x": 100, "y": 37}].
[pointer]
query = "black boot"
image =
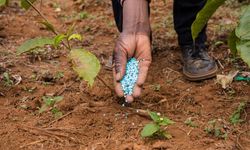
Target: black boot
[{"x": 198, "y": 65}]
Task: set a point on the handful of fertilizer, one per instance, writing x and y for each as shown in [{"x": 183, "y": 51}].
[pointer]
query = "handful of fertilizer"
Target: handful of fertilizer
[{"x": 131, "y": 75}]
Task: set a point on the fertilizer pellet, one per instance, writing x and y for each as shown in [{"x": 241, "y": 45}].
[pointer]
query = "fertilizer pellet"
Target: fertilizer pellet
[{"x": 129, "y": 80}]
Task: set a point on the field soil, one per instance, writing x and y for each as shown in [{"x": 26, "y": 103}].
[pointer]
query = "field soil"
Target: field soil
[{"x": 94, "y": 118}]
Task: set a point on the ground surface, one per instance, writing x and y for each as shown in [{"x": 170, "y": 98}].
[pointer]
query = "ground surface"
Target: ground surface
[{"x": 94, "y": 118}]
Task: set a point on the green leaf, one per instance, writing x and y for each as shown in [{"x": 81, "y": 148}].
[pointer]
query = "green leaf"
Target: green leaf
[
  {"x": 48, "y": 26},
  {"x": 2, "y": 2},
  {"x": 75, "y": 36},
  {"x": 232, "y": 39},
  {"x": 154, "y": 116},
  {"x": 204, "y": 15},
  {"x": 43, "y": 108},
  {"x": 166, "y": 121},
  {"x": 70, "y": 30},
  {"x": 25, "y": 4},
  {"x": 85, "y": 64},
  {"x": 243, "y": 29},
  {"x": 50, "y": 101},
  {"x": 58, "y": 39},
  {"x": 235, "y": 117},
  {"x": 167, "y": 135},
  {"x": 34, "y": 43},
  {"x": 243, "y": 48},
  {"x": 149, "y": 130}
]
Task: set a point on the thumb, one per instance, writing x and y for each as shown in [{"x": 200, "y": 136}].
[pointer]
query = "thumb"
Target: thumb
[{"x": 119, "y": 62}]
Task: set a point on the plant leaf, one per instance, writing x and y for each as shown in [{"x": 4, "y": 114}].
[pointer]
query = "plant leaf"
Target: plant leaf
[
  {"x": 167, "y": 135},
  {"x": 204, "y": 15},
  {"x": 166, "y": 121},
  {"x": 85, "y": 64},
  {"x": 243, "y": 48},
  {"x": 149, "y": 130},
  {"x": 154, "y": 116},
  {"x": 75, "y": 36},
  {"x": 25, "y": 4},
  {"x": 2, "y": 2},
  {"x": 243, "y": 30},
  {"x": 58, "y": 39},
  {"x": 43, "y": 108},
  {"x": 232, "y": 39},
  {"x": 34, "y": 43},
  {"x": 48, "y": 26}
]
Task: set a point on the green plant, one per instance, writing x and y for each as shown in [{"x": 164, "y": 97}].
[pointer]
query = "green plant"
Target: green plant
[
  {"x": 7, "y": 80},
  {"x": 190, "y": 123},
  {"x": 239, "y": 39},
  {"x": 215, "y": 128},
  {"x": 85, "y": 64},
  {"x": 49, "y": 103},
  {"x": 235, "y": 118},
  {"x": 155, "y": 129}
]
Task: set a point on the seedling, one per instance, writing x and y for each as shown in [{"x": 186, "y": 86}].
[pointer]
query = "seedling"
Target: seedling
[
  {"x": 215, "y": 128},
  {"x": 235, "y": 118},
  {"x": 155, "y": 129},
  {"x": 7, "y": 80},
  {"x": 49, "y": 102},
  {"x": 190, "y": 123}
]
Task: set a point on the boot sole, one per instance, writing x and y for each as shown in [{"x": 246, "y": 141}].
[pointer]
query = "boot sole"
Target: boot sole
[{"x": 199, "y": 77}]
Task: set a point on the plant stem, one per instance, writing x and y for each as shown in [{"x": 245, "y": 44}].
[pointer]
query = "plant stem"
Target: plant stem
[{"x": 99, "y": 78}]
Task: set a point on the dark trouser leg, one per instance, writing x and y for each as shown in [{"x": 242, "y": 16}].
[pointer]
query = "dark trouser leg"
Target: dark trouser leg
[{"x": 184, "y": 14}]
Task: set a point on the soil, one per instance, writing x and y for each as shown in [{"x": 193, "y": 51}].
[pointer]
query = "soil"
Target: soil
[{"x": 93, "y": 118}]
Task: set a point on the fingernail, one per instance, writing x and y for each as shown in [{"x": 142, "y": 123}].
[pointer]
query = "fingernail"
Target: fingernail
[{"x": 118, "y": 76}]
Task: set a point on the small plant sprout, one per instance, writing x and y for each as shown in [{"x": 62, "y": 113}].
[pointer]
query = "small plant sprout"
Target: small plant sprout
[
  {"x": 7, "y": 80},
  {"x": 155, "y": 129},
  {"x": 235, "y": 118},
  {"x": 189, "y": 122},
  {"x": 216, "y": 128},
  {"x": 50, "y": 104}
]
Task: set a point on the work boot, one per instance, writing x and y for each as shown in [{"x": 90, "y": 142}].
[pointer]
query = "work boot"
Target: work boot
[{"x": 198, "y": 65}]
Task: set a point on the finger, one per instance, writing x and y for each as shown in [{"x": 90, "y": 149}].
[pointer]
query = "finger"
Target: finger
[
  {"x": 129, "y": 99},
  {"x": 143, "y": 71},
  {"x": 137, "y": 91},
  {"x": 118, "y": 87},
  {"x": 119, "y": 62}
]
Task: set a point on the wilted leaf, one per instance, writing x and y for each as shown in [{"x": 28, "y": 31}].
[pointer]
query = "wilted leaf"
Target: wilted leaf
[
  {"x": 48, "y": 26},
  {"x": 58, "y": 39},
  {"x": 75, "y": 36},
  {"x": 226, "y": 80},
  {"x": 149, "y": 130},
  {"x": 25, "y": 4},
  {"x": 243, "y": 48},
  {"x": 232, "y": 40},
  {"x": 34, "y": 43},
  {"x": 204, "y": 15},
  {"x": 243, "y": 29},
  {"x": 85, "y": 64},
  {"x": 2, "y": 2}
]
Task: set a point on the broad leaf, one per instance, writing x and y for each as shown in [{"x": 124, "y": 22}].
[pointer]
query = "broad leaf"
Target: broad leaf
[
  {"x": 25, "y": 4},
  {"x": 34, "y": 43},
  {"x": 149, "y": 130},
  {"x": 85, "y": 64},
  {"x": 204, "y": 15},
  {"x": 232, "y": 39},
  {"x": 2, "y": 2},
  {"x": 75, "y": 36},
  {"x": 243, "y": 29},
  {"x": 243, "y": 48},
  {"x": 58, "y": 39}
]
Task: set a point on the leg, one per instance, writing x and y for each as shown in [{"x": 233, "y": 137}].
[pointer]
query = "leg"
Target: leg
[{"x": 185, "y": 12}]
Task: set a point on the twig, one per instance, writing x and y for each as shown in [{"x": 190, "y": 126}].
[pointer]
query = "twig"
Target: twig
[
  {"x": 99, "y": 78},
  {"x": 63, "y": 116},
  {"x": 140, "y": 112},
  {"x": 220, "y": 64},
  {"x": 32, "y": 143}
]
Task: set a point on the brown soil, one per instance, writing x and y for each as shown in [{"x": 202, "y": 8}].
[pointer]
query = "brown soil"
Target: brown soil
[{"x": 94, "y": 119}]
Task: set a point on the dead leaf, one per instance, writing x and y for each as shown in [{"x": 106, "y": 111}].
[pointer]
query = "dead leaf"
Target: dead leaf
[{"x": 226, "y": 80}]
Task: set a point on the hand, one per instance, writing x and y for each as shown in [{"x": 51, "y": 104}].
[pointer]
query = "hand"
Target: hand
[{"x": 127, "y": 46}]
